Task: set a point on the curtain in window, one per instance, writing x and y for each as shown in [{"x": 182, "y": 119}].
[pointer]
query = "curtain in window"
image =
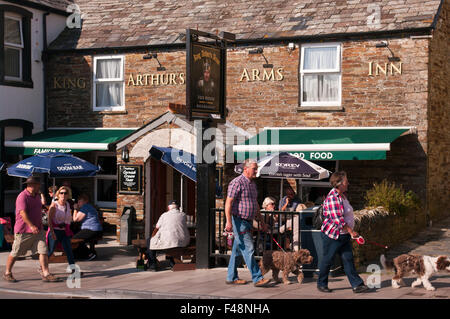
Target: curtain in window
[
  {"x": 319, "y": 58},
  {"x": 109, "y": 93},
  {"x": 12, "y": 62},
  {"x": 320, "y": 87}
]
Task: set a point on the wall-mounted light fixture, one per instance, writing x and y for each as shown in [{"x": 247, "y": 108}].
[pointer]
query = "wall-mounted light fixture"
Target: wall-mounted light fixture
[
  {"x": 385, "y": 44},
  {"x": 125, "y": 155},
  {"x": 150, "y": 56},
  {"x": 267, "y": 65},
  {"x": 291, "y": 46}
]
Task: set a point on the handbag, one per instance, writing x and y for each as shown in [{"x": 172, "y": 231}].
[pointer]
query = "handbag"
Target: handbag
[{"x": 44, "y": 218}]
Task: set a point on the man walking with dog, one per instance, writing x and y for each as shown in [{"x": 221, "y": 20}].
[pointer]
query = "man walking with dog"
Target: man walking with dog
[{"x": 241, "y": 207}]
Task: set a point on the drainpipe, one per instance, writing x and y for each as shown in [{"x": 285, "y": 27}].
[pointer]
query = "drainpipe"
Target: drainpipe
[{"x": 44, "y": 64}]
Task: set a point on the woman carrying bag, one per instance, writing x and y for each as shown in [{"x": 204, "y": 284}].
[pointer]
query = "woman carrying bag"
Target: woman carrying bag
[{"x": 60, "y": 218}]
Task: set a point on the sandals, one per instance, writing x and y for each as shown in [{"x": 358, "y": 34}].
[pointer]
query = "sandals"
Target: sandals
[
  {"x": 9, "y": 278},
  {"x": 50, "y": 278}
]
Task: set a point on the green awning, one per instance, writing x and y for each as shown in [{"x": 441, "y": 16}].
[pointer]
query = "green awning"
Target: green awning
[
  {"x": 317, "y": 143},
  {"x": 68, "y": 141}
]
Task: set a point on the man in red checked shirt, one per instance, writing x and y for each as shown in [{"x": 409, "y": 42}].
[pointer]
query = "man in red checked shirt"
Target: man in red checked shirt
[
  {"x": 241, "y": 207},
  {"x": 337, "y": 232}
]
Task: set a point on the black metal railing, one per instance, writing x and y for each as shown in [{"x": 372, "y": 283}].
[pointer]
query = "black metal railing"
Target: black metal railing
[{"x": 283, "y": 233}]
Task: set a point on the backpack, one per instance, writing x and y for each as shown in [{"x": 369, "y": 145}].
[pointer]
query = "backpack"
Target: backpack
[{"x": 318, "y": 218}]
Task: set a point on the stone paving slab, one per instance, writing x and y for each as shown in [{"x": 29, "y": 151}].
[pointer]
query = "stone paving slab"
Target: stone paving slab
[{"x": 115, "y": 276}]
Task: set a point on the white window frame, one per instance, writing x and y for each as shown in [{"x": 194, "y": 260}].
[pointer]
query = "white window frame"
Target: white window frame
[
  {"x": 15, "y": 46},
  {"x": 337, "y": 70},
  {"x": 115, "y": 80},
  {"x": 104, "y": 204}
]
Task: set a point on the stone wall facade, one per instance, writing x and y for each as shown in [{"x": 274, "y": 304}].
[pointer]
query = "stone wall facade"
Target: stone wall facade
[
  {"x": 256, "y": 101},
  {"x": 439, "y": 117}
]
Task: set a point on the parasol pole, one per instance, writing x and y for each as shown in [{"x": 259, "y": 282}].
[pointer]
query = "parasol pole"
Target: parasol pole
[{"x": 181, "y": 194}]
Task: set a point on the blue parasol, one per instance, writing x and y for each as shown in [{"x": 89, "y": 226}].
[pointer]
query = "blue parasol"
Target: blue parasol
[{"x": 55, "y": 164}]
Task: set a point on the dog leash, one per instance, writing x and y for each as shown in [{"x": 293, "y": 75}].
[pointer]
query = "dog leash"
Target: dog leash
[
  {"x": 277, "y": 243},
  {"x": 361, "y": 241}
]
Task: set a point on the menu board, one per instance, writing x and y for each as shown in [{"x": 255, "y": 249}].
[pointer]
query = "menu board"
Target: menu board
[{"x": 129, "y": 180}]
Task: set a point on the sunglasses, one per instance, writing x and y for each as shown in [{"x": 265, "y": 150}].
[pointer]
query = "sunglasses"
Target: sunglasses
[{"x": 62, "y": 193}]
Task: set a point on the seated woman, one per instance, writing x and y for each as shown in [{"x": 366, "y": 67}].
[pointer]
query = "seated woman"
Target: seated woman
[
  {"x": 292, "y": 224},
  {"x": 91, "y": 228},
  {"x": 60, "y": 218}
]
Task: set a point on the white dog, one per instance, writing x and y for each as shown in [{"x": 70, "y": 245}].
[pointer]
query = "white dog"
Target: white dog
[{"x": 422, "y": 266}]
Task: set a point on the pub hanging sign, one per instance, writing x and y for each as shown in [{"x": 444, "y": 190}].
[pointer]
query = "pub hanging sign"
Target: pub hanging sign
[
  {"x": 129, "y": 180},
  {"x": 205, "y": 66}
]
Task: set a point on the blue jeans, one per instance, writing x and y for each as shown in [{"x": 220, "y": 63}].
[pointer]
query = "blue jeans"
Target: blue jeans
[
  {"x": 65, "y": 242},
  {"x": 343, "y": 247},
  {"x": 243, "y": 247}
]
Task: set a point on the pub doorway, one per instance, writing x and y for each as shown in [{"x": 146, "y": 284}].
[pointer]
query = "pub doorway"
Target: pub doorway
[{"x": 167, "y": 184}]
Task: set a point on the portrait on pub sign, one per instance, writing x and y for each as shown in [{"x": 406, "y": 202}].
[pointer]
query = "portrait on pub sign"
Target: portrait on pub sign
[{"x": 206, "y": 68}]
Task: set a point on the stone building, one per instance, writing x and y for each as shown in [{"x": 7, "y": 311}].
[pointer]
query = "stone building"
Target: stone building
[{"x": 369, "y": 78}]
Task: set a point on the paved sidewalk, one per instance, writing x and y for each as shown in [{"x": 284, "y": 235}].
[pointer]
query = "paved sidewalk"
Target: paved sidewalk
[{"x": 113, "y": 275}]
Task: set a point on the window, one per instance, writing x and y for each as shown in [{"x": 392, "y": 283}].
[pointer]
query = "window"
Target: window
[
  {"x": 320, "y": 71},
  {"x": 109, "y": 84},
  {"x": 106, "y": 180},
  {"x": 15, "y": 46}
]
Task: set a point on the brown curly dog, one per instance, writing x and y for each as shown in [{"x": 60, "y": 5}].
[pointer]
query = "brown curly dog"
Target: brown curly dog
[{"x": 285, "y": 261}]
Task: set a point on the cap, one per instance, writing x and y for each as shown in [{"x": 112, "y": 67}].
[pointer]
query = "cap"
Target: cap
[
  {"x": 173, "y": 202},
  {"x": 32, "y": 180}
]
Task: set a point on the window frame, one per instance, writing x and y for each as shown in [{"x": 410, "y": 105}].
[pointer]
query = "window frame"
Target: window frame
[
  {"x": 115, "y": 80},
  {"x": 21, "y": 47},
  {"x": 338, "y": 71},
  {"x": 25, "y": 17},
  {"x": 104, "y": 204}
]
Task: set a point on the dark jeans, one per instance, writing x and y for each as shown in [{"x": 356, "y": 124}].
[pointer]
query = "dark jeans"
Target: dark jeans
[
  {"x": 89, "y": 236},
  {"x": 343, "y": 247},
  {"x": 65, "y": 242}
]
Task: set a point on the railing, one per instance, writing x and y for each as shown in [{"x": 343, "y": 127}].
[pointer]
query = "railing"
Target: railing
[{"x": 283, "y": 233}]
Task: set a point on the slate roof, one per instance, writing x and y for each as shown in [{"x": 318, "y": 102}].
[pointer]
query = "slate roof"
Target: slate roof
[
  {"x": 58, "y": 5},
  {"x": 127, "y": 23}
]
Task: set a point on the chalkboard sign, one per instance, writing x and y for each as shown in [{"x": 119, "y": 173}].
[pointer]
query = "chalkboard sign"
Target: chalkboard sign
[{"x": 130, "y": 177}]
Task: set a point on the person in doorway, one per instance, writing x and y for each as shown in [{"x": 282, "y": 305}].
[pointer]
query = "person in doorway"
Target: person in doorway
[
  {"x": 337, "y": 232},
  {"x": 28, "y": 232},
  {"x": 171, "y": 231},
  {"x": 289, "y": 202},
  {"x": 241, "y": 207},
  {"x": 60, "y": 217},
  {"x": 91, "y": 228}
]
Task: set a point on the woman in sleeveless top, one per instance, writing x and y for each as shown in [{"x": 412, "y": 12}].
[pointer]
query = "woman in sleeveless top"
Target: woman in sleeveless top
[{"x": 60, "y": 218}]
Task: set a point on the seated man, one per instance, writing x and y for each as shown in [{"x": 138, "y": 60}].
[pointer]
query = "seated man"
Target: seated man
[
  {"x": 171, "y": 231},
  {"x": 91, "y": 229}
]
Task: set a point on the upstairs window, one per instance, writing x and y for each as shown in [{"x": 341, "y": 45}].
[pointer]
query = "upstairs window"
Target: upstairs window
[
  {"x": 15, "y": 46},
  {"x": 109, "y": 84},
  {"x": 320, "y": 71}
]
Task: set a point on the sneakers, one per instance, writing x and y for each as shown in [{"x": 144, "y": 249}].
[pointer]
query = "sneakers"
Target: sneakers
[
  {"x": 9, "y": 278},
  {"x": 236, "y": 282},
  {"x": 262, "y": 283},
  {"x": 91, "y": 256}
]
